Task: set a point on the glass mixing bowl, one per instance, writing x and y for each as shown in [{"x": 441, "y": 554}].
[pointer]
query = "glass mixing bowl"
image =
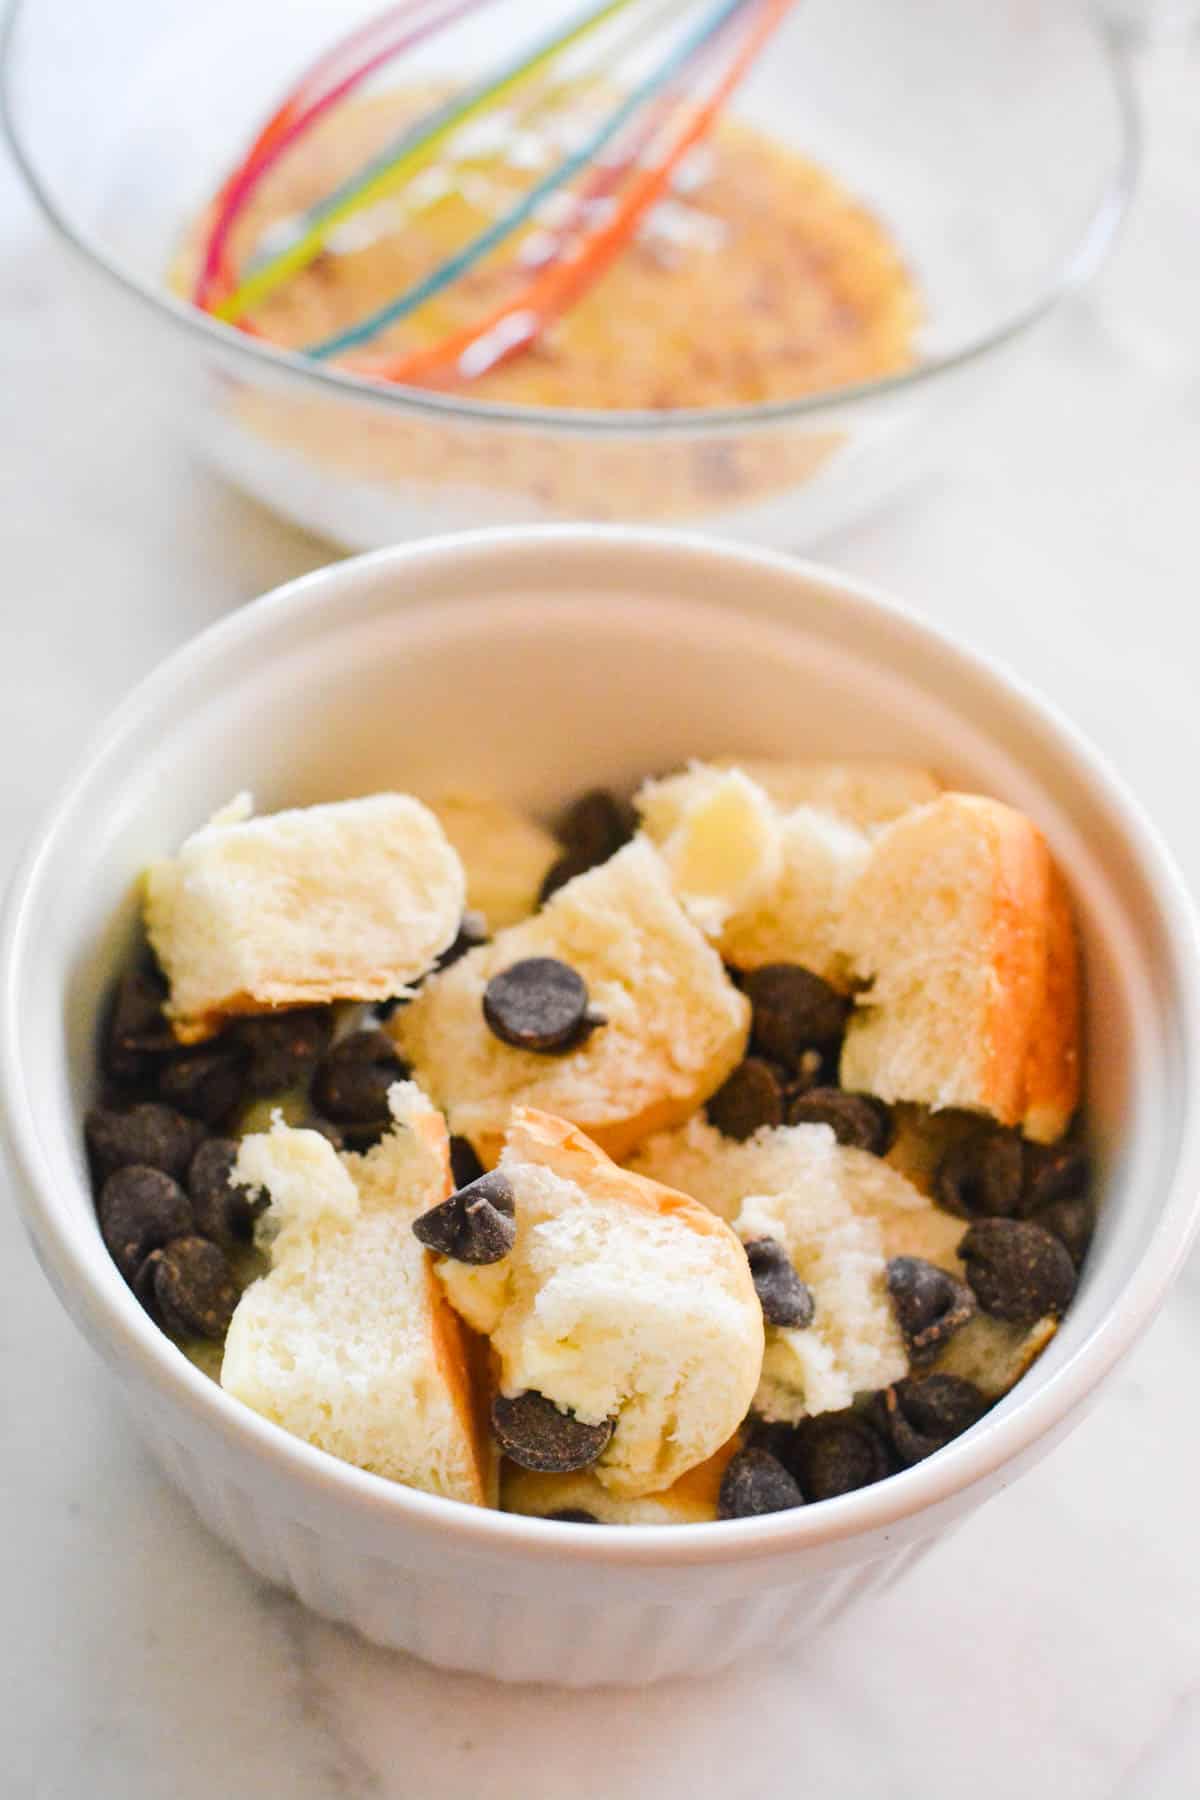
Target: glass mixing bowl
[{"x": 996, "y": 142}]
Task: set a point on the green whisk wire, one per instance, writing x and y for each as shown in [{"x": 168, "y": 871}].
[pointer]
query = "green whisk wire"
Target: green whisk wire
[
  {"x": 549, "y": 97},
  {"x": 517, "y": 215},
  {"x": 411, "y": 152}
]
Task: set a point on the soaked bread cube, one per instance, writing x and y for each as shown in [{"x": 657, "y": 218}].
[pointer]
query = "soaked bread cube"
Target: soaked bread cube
[
  {"x": 674, "y": 1024},
  {"x": 350, "y": 901},
  {"x": 626, "y": 1305},
  {"x": 348, "y": 1341}
]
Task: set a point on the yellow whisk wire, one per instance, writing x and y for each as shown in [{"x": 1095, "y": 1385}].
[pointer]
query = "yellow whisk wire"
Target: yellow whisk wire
[{"x": 416, "y": 149}]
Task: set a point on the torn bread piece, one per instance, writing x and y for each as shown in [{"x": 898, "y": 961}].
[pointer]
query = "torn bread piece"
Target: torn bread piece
[
  {"x": 863, "y": 791},
  {"x": 349, "y": 901},
  {"x": 909, "y": 1223},
  {"x": 961, "y": 927},
  {"x": 620, "y": 1301},
  {"x": 348, "y": 1341},
  {"x": 765, "y": 885},
  {"x": 675, "y": 1025},
  {"x": 690, "y": 1500},
  {"x": 799, "y": 923},
  {"x": 720, "y": 839},
  {"x": 505, "y": 854},
  {"x": 840, "y": 1214},
  {"x": 992, "y": 1354}
]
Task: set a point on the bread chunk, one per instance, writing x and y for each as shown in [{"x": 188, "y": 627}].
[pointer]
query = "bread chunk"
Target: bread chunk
[
  {"x": 719, "y": 837},
  {"x": 348, "y": 1341},
  {"x": 504, "y": 853},
  {"x": 994, "y": 1354},
  {"x": 690, "y": 1500},
  {"x": 766, "y": 881},
  {"x": 865, "y": 791},
  {"x": 822, "y": 857},
  {"x": 910, "y": 1224},
  {"x": 620, "y": 1300},
  {"x": 350, "y": 901},
  {"x": 961, "y": 925},
  {"x": 840, "y": 1214},
  {"x": 675, "y": 1024}
]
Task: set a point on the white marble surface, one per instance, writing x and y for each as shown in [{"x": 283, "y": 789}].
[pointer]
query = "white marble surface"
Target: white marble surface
[{"x": 1053, "y": 1647}]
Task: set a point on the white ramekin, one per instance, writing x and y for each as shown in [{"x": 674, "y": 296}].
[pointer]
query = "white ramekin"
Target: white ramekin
[{"x": 534, "y": 662}]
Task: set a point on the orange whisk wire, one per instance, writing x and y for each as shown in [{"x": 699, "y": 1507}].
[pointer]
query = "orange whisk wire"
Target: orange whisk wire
[
  {"x": 514, "y": 325},
  {"x": 332, "y": 77}
]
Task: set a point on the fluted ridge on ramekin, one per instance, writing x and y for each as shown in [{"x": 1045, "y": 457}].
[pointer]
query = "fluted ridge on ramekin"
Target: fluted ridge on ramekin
[{"x": 502, "y": 1635}]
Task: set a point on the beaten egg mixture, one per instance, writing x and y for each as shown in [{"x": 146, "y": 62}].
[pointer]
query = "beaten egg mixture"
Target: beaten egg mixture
[{"x": 761, "y": 279}]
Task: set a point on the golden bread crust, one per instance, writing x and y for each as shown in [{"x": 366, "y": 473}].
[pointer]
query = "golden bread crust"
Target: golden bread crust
[
  {"x": 455, "y": 1347},
  {"x": 1017, "y": 1053},
  {"x": 1034, "y": 1026},
  {"x": 538, "y": 1137},
  {"x": 691, "y": 1498},
  {"x": 1015, "y": 951},
  {"x": 1053, "y": 1069}
]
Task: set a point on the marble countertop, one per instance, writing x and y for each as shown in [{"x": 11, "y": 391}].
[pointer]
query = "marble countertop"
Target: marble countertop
[{"x": 1053, "y": 1647}]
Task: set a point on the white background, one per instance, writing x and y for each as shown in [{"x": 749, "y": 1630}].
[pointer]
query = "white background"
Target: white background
[{"x": 1053, "y": 1648}]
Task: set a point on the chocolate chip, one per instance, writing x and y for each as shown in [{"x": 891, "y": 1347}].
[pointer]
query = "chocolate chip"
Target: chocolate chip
[
  {"x": 565, "y": 869},
  {"x": 465, "y": 1166},
  {"x": 591, "y": 830},
  {"x": 572, "y": 1515},
  {"x": 793, "y": 1010},
  {"x": 1018, "y": 1270},
  {"x": 157, "y": 1137},
  {"x": 813, "y": 1070},
  {"x": 352, "y": 1079},
  {"x": 282, "y": 1049},
  {"x": 595, "y": 827},
  {"x": 142, "y": 1283},
  {"x": 1053, "y": 1172},
  {"x": 930, "y": 1305},
  {"x": 206, "y": 1084},
  {"x": 333, "y": 1134},
  {"x": 1072, "y": 1220},
  {"x": 475, "y": 1225},
  {"x": 771, "y": 1435},
  {"x": 361, "y": 1138},
  {"x": 755, "y": 1483},
  {"x": 981, "y": 1177},
  {"x": 539, "y": 1004},
  {"x": 472, "y": 931},
  {"x": 923, "y": 1413},
  {"x": 835, "y": 1453},
  {"x": 190, "y": 1287},
  {"x": 141, "y": 1209},
  {"x": 536, "y": 1434},
  {"x": 785, "y": 1299},
  {"x": 225, "y": 1212},
  {"x": 137, "y": 1035},
  {"x": 858, "y": 1120},
  {"x": 751, "y": 1098}
]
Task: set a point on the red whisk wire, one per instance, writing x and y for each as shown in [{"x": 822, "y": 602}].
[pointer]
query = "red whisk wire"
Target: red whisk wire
[{"x": 298, "y": 112}]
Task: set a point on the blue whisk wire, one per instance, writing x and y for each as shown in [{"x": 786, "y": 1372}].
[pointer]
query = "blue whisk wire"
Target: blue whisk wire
[
  {"x": 517, "y": 215},
  {"x": 409, "y": 151}
]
